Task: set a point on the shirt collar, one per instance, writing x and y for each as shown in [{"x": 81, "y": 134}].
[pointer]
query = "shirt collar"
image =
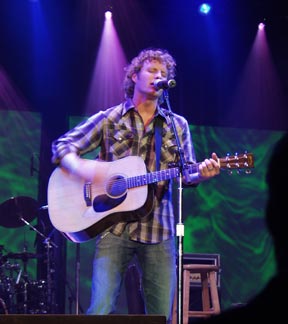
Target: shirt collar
[{"x": 128, "y": 105}]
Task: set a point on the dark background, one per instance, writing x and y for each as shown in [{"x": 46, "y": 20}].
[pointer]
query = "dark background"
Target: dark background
[{"x": 211, "y": 56}]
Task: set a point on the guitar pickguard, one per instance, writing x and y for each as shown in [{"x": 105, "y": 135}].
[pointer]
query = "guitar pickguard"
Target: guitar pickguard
[{"x": 104, "y": 203}]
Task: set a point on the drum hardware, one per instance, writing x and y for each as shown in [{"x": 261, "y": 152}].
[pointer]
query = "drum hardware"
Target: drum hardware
[
  {"x": 17, "y": 212},
  {"x": 18, "y": 277},
  {"x": 4, "y": 307},
  {"x": 49, "y": 244},
  {"x": 29, "y": 296},
  {"x": 7, "y": 285},
  {"x": 24, "y": 256},
  {"x": 22, "y": 278},
  {"x": 49, "y": 270}
]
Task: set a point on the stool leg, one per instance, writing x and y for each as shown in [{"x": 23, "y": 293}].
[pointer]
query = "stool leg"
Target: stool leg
[
  {"x": 214, "y": 292},
  {"x": 186, "y": 295},
  {"x": 205, "y": 291}
]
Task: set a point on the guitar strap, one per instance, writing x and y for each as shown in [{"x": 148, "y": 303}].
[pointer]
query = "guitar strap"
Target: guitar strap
[{"x": 158, "y": 140}]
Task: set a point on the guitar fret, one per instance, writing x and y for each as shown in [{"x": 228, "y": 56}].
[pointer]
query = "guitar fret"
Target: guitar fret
[{"x": 153, "y": 177}]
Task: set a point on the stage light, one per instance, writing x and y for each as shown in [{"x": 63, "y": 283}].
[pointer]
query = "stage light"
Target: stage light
[
  {"x": 108, "y": 14},
  {"x": 108, "y": 11},
  {"x": 205, "y": 8},
  {"x": 261, "y": 26}
]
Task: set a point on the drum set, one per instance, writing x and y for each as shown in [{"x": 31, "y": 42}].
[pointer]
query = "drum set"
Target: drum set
[{"x": 20, "y": 294}]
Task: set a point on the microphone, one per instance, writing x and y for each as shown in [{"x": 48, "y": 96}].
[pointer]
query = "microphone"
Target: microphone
[{"x": 164, "y": 84}]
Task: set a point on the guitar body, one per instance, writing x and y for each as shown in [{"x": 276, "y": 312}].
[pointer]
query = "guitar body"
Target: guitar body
[{"x": 80, "y": 221}]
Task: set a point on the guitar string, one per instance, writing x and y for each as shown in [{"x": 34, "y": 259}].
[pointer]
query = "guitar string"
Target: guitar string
[{"x": 236, "y": 162}]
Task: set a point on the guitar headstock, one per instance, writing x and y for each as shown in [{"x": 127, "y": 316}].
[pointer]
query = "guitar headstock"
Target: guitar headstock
[{"x": 238, "y": 162}]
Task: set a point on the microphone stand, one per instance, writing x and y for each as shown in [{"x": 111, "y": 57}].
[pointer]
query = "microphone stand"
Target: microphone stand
[
  {"x": 179, "y": 226},
  {"x": 77, "y": 277}
]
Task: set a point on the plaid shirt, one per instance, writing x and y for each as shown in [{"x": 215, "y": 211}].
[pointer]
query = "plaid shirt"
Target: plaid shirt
[{"x": 119, "y": 132}]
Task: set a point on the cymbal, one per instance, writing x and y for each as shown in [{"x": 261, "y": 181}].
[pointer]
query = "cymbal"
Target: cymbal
[
  {"x": 23, "y": 256},
  {"x": 15, "y": 208}
]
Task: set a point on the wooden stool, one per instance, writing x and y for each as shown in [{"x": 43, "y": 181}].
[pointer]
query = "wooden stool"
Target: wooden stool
[{"x": 209, "y": 291}]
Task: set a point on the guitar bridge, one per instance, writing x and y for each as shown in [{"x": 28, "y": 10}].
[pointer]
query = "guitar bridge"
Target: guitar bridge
[{"x": 87, "y": 194}]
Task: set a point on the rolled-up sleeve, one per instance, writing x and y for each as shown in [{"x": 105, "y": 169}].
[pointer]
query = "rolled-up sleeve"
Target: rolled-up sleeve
[{"x": 82, "y": 139}]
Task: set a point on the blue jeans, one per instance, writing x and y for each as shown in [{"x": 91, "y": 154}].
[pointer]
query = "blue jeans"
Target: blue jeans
[{"x": 158, "y": 271}]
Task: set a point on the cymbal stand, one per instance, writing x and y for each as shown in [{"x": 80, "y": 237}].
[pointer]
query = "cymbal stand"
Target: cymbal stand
[
  {"x": 49, "y": 244},
  {"x": 38, "y": 232},
  {"x": 25, "y": 276},
  {"x": 49, "y": 274},
  {"x": 77, "y": 277}
]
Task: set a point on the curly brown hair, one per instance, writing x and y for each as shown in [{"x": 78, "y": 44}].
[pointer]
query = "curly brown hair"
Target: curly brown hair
[{"x": 137, "y": 62}]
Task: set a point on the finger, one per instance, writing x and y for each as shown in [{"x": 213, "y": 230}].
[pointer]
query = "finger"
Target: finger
[{"x": 209, "y": 164}]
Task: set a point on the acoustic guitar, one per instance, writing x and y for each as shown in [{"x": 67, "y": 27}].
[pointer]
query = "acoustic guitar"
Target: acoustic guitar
[{"x": 81, "y": 210}]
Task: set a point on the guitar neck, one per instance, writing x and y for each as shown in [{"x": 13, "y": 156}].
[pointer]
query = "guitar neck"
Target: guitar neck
[
  {"x": 157, "y": 176},
  {"x": 237, "y": 161}
]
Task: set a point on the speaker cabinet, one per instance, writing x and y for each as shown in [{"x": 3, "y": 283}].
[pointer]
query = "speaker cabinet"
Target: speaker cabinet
[{"x": 82, "y": 319}]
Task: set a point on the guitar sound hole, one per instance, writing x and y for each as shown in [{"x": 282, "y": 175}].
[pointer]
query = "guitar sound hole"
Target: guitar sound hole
[{"x": 116, "y": 186}]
